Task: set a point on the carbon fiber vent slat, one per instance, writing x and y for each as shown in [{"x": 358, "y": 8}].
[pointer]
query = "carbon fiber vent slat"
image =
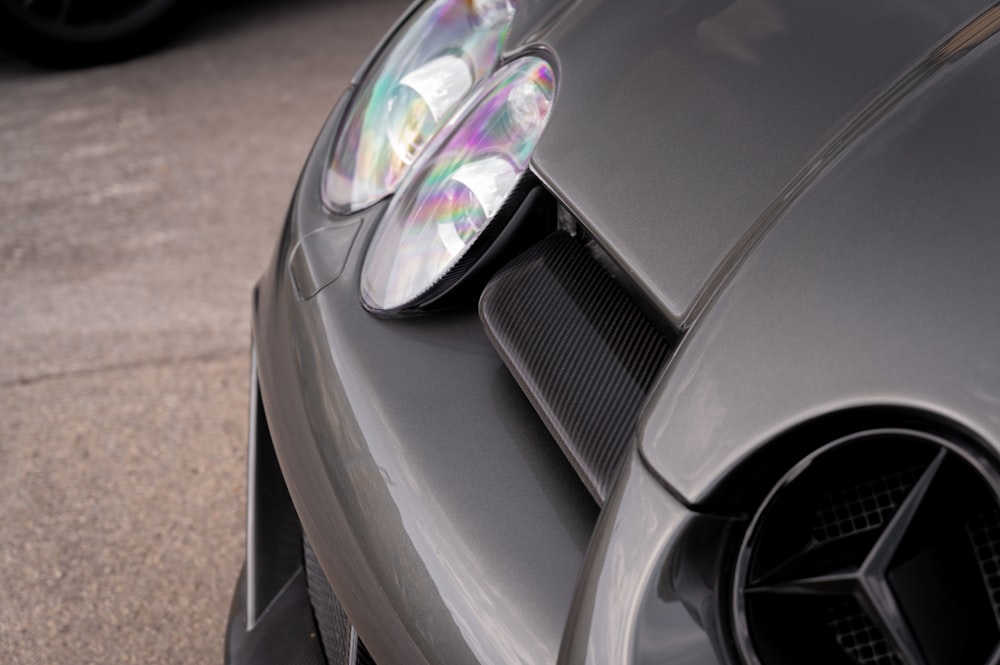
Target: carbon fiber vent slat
[{"x": 581, "y": 349}]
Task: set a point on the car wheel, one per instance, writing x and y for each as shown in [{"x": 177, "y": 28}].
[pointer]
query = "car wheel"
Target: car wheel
[{"x": 76, "y": 33}]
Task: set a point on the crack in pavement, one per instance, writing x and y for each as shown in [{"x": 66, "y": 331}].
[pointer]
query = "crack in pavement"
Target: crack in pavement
[{"x": 124, "y": 366}]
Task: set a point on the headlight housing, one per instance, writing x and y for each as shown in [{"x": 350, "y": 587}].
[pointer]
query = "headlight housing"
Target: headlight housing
[
  {"x": 425, "y": 72},
  {"x": 458, "y": 191}
]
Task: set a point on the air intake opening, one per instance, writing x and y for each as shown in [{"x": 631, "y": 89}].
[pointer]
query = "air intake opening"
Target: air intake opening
[{"x": 882, "y": 548}]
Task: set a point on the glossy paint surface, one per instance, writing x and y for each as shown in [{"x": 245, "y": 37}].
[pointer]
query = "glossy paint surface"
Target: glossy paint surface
[
  {"x": 877, "y": 287},
  {"x": 679, "y": 123},
  {"x": 448, "y": 523},
  {"x": 618, "y": 616},
  {"x": 824, "y": 250}
]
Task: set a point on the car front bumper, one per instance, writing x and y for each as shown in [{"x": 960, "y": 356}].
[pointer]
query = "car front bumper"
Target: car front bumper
[{"x": 448, "y": 522}]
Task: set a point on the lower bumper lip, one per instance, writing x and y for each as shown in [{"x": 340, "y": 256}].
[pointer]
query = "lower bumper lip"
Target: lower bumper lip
[
  {"x": 449, "y": 523},
  {"x": 286, "y": 634}
]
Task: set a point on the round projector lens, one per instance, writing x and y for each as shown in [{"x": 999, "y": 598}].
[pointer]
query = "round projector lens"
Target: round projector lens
[
  {"x": 457, "y": 188},
  {"x": 422, "y": 101},
  {"x": 424, "y": 74}
]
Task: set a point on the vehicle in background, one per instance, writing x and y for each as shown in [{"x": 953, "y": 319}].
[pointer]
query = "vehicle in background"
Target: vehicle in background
[
  {"x": 78, "y": 33},
  {"x": 632, "y": 332}
]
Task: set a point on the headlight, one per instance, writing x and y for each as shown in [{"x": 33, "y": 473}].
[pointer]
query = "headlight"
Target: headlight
[
  {"x": 429, "y": 67},
  {"x": 457, "y": 190}
]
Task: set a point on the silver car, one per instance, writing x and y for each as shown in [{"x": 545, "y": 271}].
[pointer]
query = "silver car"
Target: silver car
[{"x": 638, "y": 332}]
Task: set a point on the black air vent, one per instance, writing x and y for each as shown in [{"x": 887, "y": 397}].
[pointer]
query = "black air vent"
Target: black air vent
[
  {"x": 334, "y": 628},
  {"x": 880, "y": 549},
  {"x": 341, "y": 644},
  {"x": 582, "y": 350}
]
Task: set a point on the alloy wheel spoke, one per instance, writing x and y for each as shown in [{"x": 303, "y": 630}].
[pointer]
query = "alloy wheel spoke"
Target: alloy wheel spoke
[
  {"x": 834, "y": 584},
  {"x": 889, "y": 617},
  {"x": 995, "y": 658},
  {"x": 814, "y": 561},
  {"x": 63, "y": 15},
  {"x": 878, "y": 595},
  {"x": 877, "y": 562}
]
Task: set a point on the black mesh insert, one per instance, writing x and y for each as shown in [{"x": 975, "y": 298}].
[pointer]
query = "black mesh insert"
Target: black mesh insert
[
  {"x": 862, "y": 506},
  {"x": 882, "y": 548},
  {"x": 984, "y": 530},
  {"x": 859, "y": 637},
  {"x": 331, "y": 620}
]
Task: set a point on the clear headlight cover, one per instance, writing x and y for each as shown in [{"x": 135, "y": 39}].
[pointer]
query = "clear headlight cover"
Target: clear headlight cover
[
  {"x": 426, "y": 71},
  {"x": 457, "y": 187}
]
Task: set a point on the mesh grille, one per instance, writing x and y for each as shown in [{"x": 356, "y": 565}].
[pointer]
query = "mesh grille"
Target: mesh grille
[
  {"x": 860, "y": 638},
  {"x": 334, "y": 627},
  {"x": 920, "y": 582},
  {"x": 984, "y": 530},
  {"x": 863, "y": 506}
]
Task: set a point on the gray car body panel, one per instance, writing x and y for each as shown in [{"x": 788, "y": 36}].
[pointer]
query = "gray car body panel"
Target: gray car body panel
[
  {"x": 678, "y": 123},
  {"x": 622, "y": 613},
  {"x": 439, "y": 506},
  {"x": 448, "y": 523},
  {"x": 879, "y": 286}
]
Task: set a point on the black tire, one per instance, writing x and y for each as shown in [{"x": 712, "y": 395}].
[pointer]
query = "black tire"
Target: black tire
[{"x": 79, "y": 33}]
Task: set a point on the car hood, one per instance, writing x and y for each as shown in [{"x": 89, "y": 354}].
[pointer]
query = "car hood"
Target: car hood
[{"x": 680, "y": 125}]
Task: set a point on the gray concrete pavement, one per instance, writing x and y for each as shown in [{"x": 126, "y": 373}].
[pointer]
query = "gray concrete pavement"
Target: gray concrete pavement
[{"x": 138, "y": 203}]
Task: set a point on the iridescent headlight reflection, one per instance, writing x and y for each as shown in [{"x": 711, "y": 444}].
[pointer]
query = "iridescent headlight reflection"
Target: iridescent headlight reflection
[
  {"x": 430, "y": 67},
  {"x": 457, "y": 187},
  {"x": 422, "y": 101}
]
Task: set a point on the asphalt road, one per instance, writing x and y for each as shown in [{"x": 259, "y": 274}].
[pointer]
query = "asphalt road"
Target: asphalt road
[{"x": 138, "y": 204}]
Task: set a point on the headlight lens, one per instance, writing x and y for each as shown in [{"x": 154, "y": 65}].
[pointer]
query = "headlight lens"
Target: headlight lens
[
  {"x": 457, "y": 188},
  {"x": 435, "y": 60}
]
